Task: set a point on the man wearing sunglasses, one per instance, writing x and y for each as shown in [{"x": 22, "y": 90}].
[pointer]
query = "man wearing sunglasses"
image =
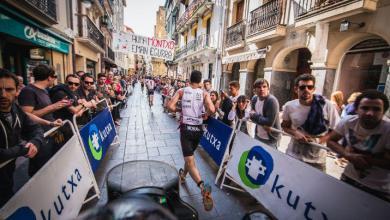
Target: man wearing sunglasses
[
  {"x": 368, "y": 144},
  {"x": 87, "y": 89},
  {"x": 68, "y": 92},
  {"x": 308, "y": 119}
]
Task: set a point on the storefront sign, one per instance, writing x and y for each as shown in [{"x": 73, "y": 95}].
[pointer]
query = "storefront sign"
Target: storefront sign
[
  {"x": 147, "y": 46},
  {"x": 215, "y": 139},
  {"x": 32, "y": 34},
  {"x": 291, "y": 189},
  {"x": 252, "y": 55},
  {"x": 97, "y": 136},
  {"x": 57, "y": 191}
]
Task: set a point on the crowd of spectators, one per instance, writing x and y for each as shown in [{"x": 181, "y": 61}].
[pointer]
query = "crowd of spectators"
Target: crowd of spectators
[{"x": 26, "y": 112}]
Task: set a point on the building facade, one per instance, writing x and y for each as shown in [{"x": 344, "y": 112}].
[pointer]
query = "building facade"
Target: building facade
[
  {"x": 344, "y": 43},
  {"x": 198, "y": 26},
  {"x": 36, "y": 32},
  {"x": 159, "y": 67},
  {"x": 118, "y": 22}
]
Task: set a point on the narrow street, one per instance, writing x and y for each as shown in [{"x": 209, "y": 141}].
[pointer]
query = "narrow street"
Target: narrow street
[{"x": 150, "y": 134}]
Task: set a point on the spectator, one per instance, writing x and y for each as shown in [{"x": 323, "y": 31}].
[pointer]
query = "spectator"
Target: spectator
[
  {"x": 239, "y": 111},
  {"x": 110, "y": 78},
  {"x": 86, "y": 90},
  {"x": 350, "y": 109},
  {"x": 35, "y": 99},
  {"x": 207, "y": 85},
  {"x": 80, "y": 74},
  {"x": 216, "y": 101},
  {"x": 68, "y": 92},
  {"x": 20, "y": 136},
  {"x": 265, "y": 113},
  {"x": 337, "y": 99},
  {"x": 104, "y": 90},
  {"x": 308, "y": 119},
  {"x": 368, "y": 145},
  {"x": 20, "y": 85},
  {"x": 234, "y": 90}
]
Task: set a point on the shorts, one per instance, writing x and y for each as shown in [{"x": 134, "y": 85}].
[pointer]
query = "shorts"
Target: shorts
[
  {"x": 150, "y": 91},
  {"x": 190, "y": 136}
]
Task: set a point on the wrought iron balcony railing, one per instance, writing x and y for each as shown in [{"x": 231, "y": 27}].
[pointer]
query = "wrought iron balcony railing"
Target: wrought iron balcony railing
[
  {"x": 235, "y": 34},
  {"x": 47, "y": 7},
  {"x": 91, "y": 32},
  {"x": 201, "y": 42},
  {"x": 266, "y": 16},
  {"x": 312, "y": 6},
  {"x": 190, "y": 12}
]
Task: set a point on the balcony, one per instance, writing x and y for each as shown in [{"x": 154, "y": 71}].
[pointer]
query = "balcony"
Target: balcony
[
  {"x": 235, "y": 35},
  {"x": 111, "y": 53},
  {"x": 267, "y": 21},
  {"x": 90, "y": 34},
  {"x": 202, "y": 42},
  {"x": 45, "y": 11},
  {"x": 309, "y": 11},
  {"x": 193, "y": 12}
]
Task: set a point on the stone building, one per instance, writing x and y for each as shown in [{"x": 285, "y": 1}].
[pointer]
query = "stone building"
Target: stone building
[{"x": 196, "y": 26}]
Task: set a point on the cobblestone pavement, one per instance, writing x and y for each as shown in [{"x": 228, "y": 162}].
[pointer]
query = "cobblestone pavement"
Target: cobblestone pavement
[{"x": 149, "y": 134}]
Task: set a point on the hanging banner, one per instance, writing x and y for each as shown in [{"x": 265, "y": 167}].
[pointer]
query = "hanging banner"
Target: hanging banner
[
  {"x": 57, "y": 191},
  {"x": 147, "y": 46},
  {"x": 215, "y": 139},
  {"x": 97, "y": 136},
  {"x": 291, "y": 189}
]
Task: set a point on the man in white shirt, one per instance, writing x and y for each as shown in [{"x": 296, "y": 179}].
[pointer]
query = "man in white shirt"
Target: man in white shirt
[
  {"x": 310, "y": 118},
  {"x": 368, "y": 144}
]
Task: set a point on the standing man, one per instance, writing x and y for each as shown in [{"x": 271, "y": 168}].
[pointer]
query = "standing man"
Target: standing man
[
  {"x": 309, "y": 119},
  {"x": 368, "y": 144},
  {"x": 19, "y": 135},
  {"x": 265, "y": 113},
  {"x": 193, "y": 101},
  {"x": 150, "y": 86},
  {"x": 207, "y": 85}
]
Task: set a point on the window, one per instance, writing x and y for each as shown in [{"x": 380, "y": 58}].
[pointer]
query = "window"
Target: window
[{"x": 240, "y": 11}]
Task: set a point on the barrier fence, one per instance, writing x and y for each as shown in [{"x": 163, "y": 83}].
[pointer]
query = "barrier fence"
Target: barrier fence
[
  {"x": 289, "y": 188},
  {"x": 63, "y": 183},
  {"x": 58, "y": 189}
]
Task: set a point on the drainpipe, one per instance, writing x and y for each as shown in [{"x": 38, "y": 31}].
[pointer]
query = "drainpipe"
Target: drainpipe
[{"x": 218, "y": 59}]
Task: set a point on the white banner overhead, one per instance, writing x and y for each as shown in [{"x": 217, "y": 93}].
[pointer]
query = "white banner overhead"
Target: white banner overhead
[
  {"x": 291, "y": 189},
  {"x": 57, "y": 191},
  {"x": 147, "y": 46}
]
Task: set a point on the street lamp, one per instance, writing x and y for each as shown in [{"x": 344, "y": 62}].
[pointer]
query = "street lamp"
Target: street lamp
[{"x": 345, "y": 24}]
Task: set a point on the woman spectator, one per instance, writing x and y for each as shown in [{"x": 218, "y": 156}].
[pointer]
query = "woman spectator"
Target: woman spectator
[
  {"x": 337, "y": 98},
  {"x": 215, "y": 99},
  {"x": 240, "y": 111}
]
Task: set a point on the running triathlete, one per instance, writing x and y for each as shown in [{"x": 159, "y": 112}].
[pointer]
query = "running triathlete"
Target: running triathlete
[
  {"x": 193, "y": 101},
  {"x": 150, "y": 85}
]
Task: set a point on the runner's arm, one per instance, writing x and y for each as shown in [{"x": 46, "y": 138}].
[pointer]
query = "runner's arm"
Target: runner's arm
[{"x": 172, "y": 103}]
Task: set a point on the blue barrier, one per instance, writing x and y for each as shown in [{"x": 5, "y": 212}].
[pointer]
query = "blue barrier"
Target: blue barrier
[
  {"x": 97, "y": 136},
  {"x": 216, "y": 139}
]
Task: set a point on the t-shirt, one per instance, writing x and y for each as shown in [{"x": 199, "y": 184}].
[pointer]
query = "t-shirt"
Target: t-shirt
[
  {"x": 259, "y": 129},
  {"x": 368, "y": 141},
  {"x": 37, "y": 98},
  {"x": 297, "y": 113},
  {"x": 192, "y": 106}
]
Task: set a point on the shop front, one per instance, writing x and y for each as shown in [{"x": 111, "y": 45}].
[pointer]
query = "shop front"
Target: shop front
[{"x": 25, "y": 44}]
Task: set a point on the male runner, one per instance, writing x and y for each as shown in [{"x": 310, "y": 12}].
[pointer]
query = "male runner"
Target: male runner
[
  {"x": 150, "y": 85},
  {"x": 193, "y": 100}
]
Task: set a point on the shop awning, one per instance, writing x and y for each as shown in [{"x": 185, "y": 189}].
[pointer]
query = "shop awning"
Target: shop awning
[
  {"x": 250, "y": 55},
  {"x": 13, "y": 24}
]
